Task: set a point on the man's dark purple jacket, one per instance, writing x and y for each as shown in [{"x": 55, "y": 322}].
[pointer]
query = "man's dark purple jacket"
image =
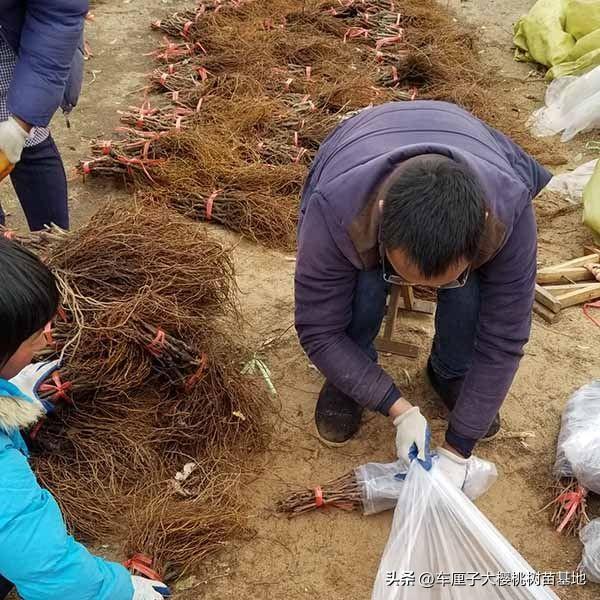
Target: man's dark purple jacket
[{"x": 338, "y": 237}]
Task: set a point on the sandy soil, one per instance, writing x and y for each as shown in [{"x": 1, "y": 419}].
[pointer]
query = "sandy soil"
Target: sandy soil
[{"x": 335, "y": 555}]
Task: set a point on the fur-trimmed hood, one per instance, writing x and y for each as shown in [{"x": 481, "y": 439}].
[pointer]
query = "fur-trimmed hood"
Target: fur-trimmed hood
[{"x": 17, "y": 411}]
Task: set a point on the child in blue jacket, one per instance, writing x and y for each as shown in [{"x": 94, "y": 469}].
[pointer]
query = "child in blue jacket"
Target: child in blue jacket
[{"x": 37, "y": 555}]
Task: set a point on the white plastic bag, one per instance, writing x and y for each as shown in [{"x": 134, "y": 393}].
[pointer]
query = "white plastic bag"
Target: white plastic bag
[
  {"x": 578, "y": 448},
  {"x": 572, "y": 183},
  {"x": 439, "y": 534},
  {"x": 380, "y": 483},
  {"x": 572, "y": 105},
  {"x": 590, "y": 560}
]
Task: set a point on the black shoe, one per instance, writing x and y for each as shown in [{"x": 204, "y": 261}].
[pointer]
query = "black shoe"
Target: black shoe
[
  {"x": 448, "y": 391},
  {"x": 337, "y": 416}
]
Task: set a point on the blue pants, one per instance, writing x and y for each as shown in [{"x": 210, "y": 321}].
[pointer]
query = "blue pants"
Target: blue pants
[
  {"x": 455, "y": 322},
  {"x": 41, "y": 185}
]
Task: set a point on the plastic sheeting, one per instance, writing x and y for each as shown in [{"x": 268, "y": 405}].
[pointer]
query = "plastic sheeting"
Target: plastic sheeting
[
  {"x": 437, "y": 532},
  {"x": 381, "y": 483},
  {"x": 578, "y": 448},
  {"x": 572, "y": 104}
]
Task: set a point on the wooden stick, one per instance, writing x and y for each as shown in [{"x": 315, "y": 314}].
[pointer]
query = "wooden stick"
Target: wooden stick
[
  {"x": 575, "y": 262},
  {"x": 564, "y": 275},
  {"x": 545, "y": 313},
  {"x": 547, "y": 299},
  {"x": 590, "y": 292}
]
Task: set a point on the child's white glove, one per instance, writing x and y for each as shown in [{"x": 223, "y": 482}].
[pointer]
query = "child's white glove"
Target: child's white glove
[
  {"x": 32, "y": 376},
  {"x": 148, "y": 589},
  {"x": 12, "y": 139}
]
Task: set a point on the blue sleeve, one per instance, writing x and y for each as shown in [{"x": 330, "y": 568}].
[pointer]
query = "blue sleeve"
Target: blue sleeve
[
  {"x": 325, "y": 281},
  {"x": 36, "y": 552},
  {"x": 507, "y": 287},
  {"x": 529, "y": 170},
  {"x": 49, "y": 39}
]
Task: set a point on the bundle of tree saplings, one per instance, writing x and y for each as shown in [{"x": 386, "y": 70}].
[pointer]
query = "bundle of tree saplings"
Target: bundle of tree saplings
[
  {"x": 155, "y": 421},
  {"x": 244, "y": 92}
]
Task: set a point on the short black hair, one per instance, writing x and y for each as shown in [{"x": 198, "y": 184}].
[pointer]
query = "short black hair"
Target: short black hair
[
  {"x": 29, "y": 297},
  {"x": 434, "y": 209}
]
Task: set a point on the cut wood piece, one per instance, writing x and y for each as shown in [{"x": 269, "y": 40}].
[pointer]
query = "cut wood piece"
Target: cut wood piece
[
  {"x": 408, "y": 296},
  {"x": 591, "y": 250},
  {"x": 579, "y": 296},
  {"x": 575, "y": 262},
  {"x": 545, "y": 313},
  {"x": 564, "y": 275},
  {"x": 421, "y": 306},
  {"x": 392, "y": 312},
  {"x": 544, "y": 297},
  {"x": 400, "y": 348},
  {"x": 556, "y": 290}
]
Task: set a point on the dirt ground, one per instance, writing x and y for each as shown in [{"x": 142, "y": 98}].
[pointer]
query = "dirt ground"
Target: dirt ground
[{"x": 335, "y": 555}]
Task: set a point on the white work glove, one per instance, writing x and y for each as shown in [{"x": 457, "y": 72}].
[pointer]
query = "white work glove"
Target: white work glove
[
  {"x": 32, "y": 376},
  {"x": 453, "y": 466},
  {"x": 12, "y": 139},
  {"x": 148, "y": 589},
  {"x": 412, "y": 437}
]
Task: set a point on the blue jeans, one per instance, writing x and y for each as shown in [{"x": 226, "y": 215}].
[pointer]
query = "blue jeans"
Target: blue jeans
[
  {"x": 41, "y": 185},
  {"x": 456, "y": 320}
]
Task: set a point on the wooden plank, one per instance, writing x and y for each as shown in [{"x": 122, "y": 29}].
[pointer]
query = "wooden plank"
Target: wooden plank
[
  {"x": 408, "y": 296},
  {"x": 564, "y": 276},
  {"x": 400, "y": 348},
  {"x": 591, "y": 292},
  {"x": 569, "y": 264},
  {"x": 545, "y": 313},
  {"x": 556, "y": 290},
  {"x": 591, "y": 250},
  {"x": 422, "y": 306},
  {"x": 547, "y": 299},
  {"x": 392, "y": 313}
]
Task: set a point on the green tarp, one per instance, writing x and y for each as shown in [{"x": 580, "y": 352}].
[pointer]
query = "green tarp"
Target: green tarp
[{"x": 563, "y": 35}]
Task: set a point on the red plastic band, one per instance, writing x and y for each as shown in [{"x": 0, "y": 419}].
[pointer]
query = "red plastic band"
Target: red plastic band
[
  {"x": 106, "y": 147},
  {"x": 571, "y": 501},
  {"x": 58, "y": 388},
  {"x": 8, "y": 234},
  {"x": 203, "y": 73},
  {"x": 178, "y": 123},
  {"x": 394, "y": 74},
  {"x": 171, "y": 69},
  {"x": 48, "y": 334},
  {"x": 302, "y": 152},
  {"x": 413, "y": 92},
  {"x": 146, "y": 149},
  {"x": 156, "y": 346},
  {"x": 86, "y": 167},
  {"x": 140, "y": 563},
  {"x": 62, "y": 315},
  {"x": 586, "y": 311},
  {"x": 319, "y": 502},
  {"x": 296, "y": 142},
  {"x": 353, "y": 32},
  {"x": 186, "y": 28},
  {"x": 198, "y": 375},
  {"x": 163, "y": 78},
  {"x": 209, "y": 204},
  {"x": 175, "y": 96},
  {"x": 388, "y": 41}
]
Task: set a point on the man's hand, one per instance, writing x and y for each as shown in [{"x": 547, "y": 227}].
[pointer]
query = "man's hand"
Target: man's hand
[
  {"x": 453, "y": 465},
  {"x": 12, "y": 139},
  {"x": 412, "y": 433},
  {"x": 148, "y": 589}
]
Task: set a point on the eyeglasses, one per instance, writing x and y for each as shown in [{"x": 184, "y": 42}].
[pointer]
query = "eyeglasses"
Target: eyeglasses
[{"x": 393, "y": 278}]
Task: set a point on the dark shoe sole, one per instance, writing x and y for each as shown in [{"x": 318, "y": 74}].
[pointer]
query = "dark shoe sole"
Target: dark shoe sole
[{"x": 337, "y": 416}]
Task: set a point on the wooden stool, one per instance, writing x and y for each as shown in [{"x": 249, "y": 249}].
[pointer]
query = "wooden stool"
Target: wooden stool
[{"x": 401, "y": 298}]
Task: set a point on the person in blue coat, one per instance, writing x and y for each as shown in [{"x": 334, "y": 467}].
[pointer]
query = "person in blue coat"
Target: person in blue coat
[
  {"x": 37, "y": 555},
  {"x": 41, "y": 69}
]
